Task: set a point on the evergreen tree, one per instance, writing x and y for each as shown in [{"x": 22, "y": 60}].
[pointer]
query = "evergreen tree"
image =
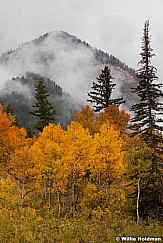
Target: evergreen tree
[
  {"x": 42, "y": 108},
  {"x": 148, "y": 112},
  {"x": 102, "y": 90},
  {"x": 145, "y": 121}
]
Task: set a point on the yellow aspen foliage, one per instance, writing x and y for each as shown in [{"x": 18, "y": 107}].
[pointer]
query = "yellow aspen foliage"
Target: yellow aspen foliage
[
  {"x": 47, "y": 160},
  {"x": 26, "y": 174},
  {"x": 52, "y": 133},
  {"x": 46, "y": 149},
  {"x": 77, "y": 157},
  {"x": 9, "y": 193},
  {"x": 46, "y": 155},
  {"x": 77, "y": 148},
  {"x": 92, "y": 195},
  {"x": 108, "y": 155}
]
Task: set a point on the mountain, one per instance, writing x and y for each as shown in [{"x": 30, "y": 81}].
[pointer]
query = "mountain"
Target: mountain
[{"x": 63, "y": 60}]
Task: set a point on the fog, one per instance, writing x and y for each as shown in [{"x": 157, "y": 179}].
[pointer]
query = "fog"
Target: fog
[{"x": 72, "y": 66}]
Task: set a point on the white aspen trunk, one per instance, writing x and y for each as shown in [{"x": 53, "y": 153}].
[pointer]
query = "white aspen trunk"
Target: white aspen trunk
[{"x": 137, "y": 203}]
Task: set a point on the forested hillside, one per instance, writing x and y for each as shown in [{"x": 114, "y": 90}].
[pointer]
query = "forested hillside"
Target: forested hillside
[{"x": 19, "y": 93}]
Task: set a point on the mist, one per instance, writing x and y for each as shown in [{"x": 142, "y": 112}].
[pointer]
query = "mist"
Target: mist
[
  {"x": 71, "y": 65},
  {"x": 67, "y": 61},
  {"x": 14, "y": 86}
]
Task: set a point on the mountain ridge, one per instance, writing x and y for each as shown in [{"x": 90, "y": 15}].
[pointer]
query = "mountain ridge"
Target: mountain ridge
[
  {"x": 71, "y": 63},
  {"x": 107, "y": 58}
]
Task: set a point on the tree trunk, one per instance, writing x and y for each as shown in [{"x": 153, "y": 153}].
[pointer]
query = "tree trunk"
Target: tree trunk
[{"x": 137, "y": 204}]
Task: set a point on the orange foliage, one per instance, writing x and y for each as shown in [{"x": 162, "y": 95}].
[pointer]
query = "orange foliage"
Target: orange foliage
[
  {"x": 86, "y": 118},
  {"x": 113, "y": 116},
  {"x": 11, "y": 138}
]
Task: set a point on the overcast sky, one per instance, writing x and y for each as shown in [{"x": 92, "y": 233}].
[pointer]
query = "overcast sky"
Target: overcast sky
[{"x": 114, "y": 26}]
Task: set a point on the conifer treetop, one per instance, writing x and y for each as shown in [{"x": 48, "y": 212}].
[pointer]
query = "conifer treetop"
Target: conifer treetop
[
  {"x": 149, "y": 109},
  {"x": 42, "y": 108},
  {"x": 102, "y": 90}
]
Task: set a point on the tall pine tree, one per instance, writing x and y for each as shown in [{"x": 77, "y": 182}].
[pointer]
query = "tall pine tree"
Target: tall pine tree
[
  {"x": 102, "y": 90},
  {"x": 149, "y": 109},
  {"x": 146, "y": 123},
  {"x": 42, "y": 108}
]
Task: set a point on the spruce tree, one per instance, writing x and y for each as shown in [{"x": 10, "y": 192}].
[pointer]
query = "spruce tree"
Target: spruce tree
[
  {"x": 146, "y": 123},
  {"x": 42, "y": 108},
  {"x": 149, "y": 109},
  {"x": 102, "y": 90}
]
